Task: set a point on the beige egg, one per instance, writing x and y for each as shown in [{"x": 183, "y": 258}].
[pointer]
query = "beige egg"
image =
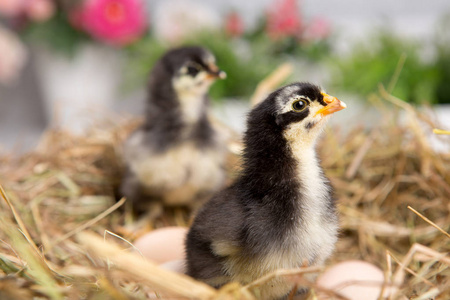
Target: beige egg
[
  {"x": 353, "y": 279},
  {"x": 163, "y": 245}
]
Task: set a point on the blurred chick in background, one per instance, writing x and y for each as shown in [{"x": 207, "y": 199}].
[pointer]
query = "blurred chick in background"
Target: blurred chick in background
[{"x": 176, "y": 157}]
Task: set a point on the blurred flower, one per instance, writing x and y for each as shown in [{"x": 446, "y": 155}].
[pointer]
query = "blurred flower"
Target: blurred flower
[
  {"x": 284, "y": 19},
  {"x": 12, "y": 56},
  {"x": 176, "y": 19},
  {"x": 36, "y": 10},
  {"x": 11, "y": 8},
  {"x": 40, "y": 10},
  {"x": 318, "y": 29},
  {"x": 118, "y": 22},
  {"x": 234, "y": 25}
]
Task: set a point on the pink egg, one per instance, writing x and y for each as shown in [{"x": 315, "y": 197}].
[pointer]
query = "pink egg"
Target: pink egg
[
  {"x": 353, "y": 279},
  {"x": 163, "y": 245}
]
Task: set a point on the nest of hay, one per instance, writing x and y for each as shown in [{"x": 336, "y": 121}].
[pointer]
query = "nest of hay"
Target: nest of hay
[{"x": 62, "y": 233}]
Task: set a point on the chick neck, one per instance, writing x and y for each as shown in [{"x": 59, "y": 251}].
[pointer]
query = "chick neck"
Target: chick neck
[
  {"x": 168, "y": 124},
  {"x": 277, "y": 173},
  {"x": 269, "y": 167}
]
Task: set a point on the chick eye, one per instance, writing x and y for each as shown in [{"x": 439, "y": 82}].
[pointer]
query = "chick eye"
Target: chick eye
[
  {"x": 299, "y": 105},
  {"x": 193, "y": 71}
]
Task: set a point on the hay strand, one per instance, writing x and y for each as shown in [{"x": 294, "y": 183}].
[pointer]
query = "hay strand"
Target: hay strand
[
  {"x": 429, "y": 221},
  {"x": 441, "y": 131},
  {"x": 271, "y": 82},
  {"x": 89, "y": 223},
  {"x": 35, "y": 265},
  {"x": 18, "y": 219},
  {"x": 282, "y": 273},
  {"x": 160, "y": 279}
]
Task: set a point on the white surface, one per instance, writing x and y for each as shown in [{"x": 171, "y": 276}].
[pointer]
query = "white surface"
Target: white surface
[
  {"x": 233, "y": 113},
  {"x": 76, "y": 91},
  {"x": 441, "y": 114}
]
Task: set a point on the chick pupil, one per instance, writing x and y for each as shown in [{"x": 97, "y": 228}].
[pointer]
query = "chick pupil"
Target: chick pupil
[
  {"x": 192, "y": 71},
  {"x": 299, "y": 105}
]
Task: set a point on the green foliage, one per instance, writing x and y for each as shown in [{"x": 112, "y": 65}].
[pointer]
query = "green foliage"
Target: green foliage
[
  {"x": 245, "y": 65},
  {"x": 141, "y": 56},
  {"x": 289, "y": 46},
  {"x": 243, "y": 71},
  {"x": 442, "y": 62},
  {"x": 442, "y": 66},
  {"x": 374, "y": 62},
  {"x": 246, "y": 60},
  {"x": 57, "y": 34}
]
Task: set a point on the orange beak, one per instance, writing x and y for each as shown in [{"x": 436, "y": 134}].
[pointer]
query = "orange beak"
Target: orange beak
[
  {"x": 214, "y": 72},
  {"x": 333, "y": 105},
  {"x": 216, "y": 75}
]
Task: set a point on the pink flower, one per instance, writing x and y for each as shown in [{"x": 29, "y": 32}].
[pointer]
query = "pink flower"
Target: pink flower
[
  {"x": 284, "y": 19},
  {"x": 234, "y": 25},
  {"x": 318, "y": 29},
  {"x": 118, "y": 22},
  {"x": 11, "y": 8},
  {"x": 40, "y": 10},
  {"x": 36, "y": 10}
]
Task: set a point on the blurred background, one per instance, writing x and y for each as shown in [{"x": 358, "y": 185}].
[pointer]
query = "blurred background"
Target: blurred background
[{"x": 74, "y": 64}]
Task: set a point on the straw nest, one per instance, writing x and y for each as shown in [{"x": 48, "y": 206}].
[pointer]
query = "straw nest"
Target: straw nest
[{"x": 63, "y": 235}]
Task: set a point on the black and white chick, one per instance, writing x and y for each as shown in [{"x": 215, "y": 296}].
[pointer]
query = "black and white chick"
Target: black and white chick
[
  {"x": 176, "y": 157},
  {"x": 280, "y": 212}
]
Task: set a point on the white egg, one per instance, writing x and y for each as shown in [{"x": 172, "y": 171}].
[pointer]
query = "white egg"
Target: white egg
[
  {"x": 163, "y": 245},
  {"x": 353, "y": 279}
]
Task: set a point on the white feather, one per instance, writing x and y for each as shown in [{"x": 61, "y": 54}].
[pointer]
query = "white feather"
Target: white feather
[{"x": 182, "y": 168}]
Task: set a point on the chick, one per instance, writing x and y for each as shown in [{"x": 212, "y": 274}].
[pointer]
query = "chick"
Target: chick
[
  {"x": 280, "y": 212},
  {"x": 176, "y": 157}
]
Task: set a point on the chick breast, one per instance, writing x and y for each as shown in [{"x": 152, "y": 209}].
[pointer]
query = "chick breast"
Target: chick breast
[{"x": 177, "y": 175}]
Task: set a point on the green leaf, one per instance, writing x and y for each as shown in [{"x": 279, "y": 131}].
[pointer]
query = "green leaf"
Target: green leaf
[{"x": 57, "y": 34}]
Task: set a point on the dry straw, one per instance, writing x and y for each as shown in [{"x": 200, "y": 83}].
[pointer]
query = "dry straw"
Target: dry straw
[{"x": 392, "y": 188}]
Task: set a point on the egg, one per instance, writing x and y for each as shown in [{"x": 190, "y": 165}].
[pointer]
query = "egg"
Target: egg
[
  {"x": 163, "y": 245},
  {"x": 178, "y": 266},
  {"x": 353, "y": 279}
]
